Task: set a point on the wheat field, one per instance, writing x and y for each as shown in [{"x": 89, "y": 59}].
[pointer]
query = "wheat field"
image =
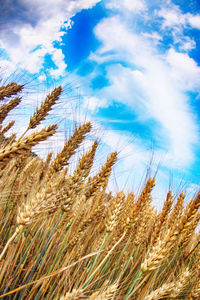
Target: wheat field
[{"x": 63, "y": 236}]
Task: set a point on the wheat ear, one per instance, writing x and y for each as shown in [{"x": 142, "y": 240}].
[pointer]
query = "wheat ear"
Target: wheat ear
[
  {"x": 177, "y": 210},
  {"x": 114, "y": 211},
  {"x": 74, "y": 294},
  {"x": 6, "y": 108},
  {"x": 162, "y": 218},
  {"x": 105, "y": 295},
  {"x": 158, "y": 252},
  {"x": 143, "y": 201},
  {"x": 180, "y": 284},
  {"x": 69, "y": 148},
  {"x": 46, "y": 165},
  {"x": 85, "y": 164},
  {"x": 9, "y": 90},
  {"x": 161, "y": 292},
  {"x": 45, "y": 107},
  {"x": 18, "y": 147},
  {"x": 6, "y": 128},
  {"x": 189, "y": 214},
  {"x": 101, "y": 179}
]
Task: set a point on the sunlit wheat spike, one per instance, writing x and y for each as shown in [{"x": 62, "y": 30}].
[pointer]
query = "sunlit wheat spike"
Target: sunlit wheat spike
[
  {"x": 85, "y": 163},
  {"x": 74, "y": 294},
  {"x": 189, "y": 214},
  {"x": 145, "y": 196},
  {"x": 189, "y": 231},
  {"x": 114, "y": 211},
  {"x": 101, "y": 179},
  {"x": 25, "y": 144},
  {"x": 177, "y": 210},
  {"x": 161, "y": 292},
  {"x": 158, "y": 252},
  {"x": 195, "y": 292},
  {"x": 162, "y": 218},
  {"x": 104, "y": 295},
  {"x": 45, "y": 107},
  {"x": 145, "y": 227},
  {"x": 70, "y": 147},
  {"x": 6, "y": 128},
  {"x": 6, "y": 108},
  {"x": 46, "y": 165},
  {"x": 180, "y": 284},
  {"x": 9, "y": 90},
  {"x": 49, "y": 199},
  {"x": 142, "y": 202}
]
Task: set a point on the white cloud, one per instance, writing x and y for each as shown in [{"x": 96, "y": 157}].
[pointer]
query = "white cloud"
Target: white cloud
[
  {"x": 173, "y": 16},
  {"x": 185, "y": 70},
  {"x": 153, "y": 36},
  {"x": 147, "y": 85},
  {"x": 58, "y": 58},
  {"x": 28, "y": 43},
  {"x": 194, "y": 20},
  {"x": 174, "y": 20},
  {"x": 186, "y": 44},
  {"x": 134, "y": 6},
  {"x": 93, "y": 103}
]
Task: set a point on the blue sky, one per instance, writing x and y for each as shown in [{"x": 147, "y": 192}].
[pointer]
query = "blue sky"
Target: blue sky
[{"x": 137, "y": 65}]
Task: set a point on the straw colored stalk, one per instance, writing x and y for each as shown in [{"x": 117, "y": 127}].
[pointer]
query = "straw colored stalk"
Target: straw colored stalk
[
  {"x": 62, "y": 159},
  {"x": 92, "y": 220},
  {"x": 6, "y": 108},
  {"x": 25, "y": 144},
  {"x": 45, "y": 107},
  {"x": 9, "y": 90}
]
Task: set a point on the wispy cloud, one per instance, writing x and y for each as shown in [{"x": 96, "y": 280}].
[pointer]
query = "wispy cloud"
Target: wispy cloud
[{"x": 151, "y": 84}]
